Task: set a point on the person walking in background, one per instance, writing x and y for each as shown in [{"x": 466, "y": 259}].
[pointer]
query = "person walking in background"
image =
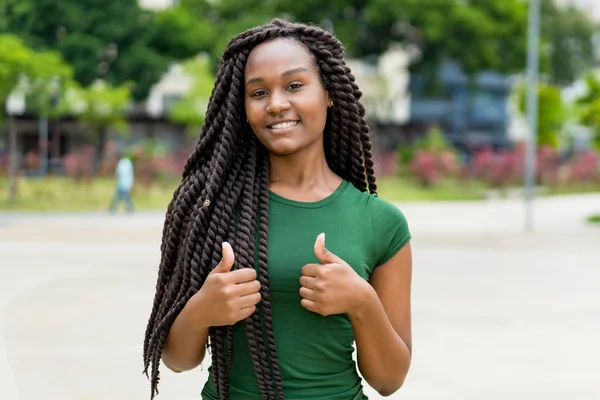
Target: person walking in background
[{"x": 124, "y": 176}]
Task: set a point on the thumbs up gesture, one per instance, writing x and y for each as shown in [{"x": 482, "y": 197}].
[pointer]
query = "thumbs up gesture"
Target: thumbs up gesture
[
  {"x": 331, "y": 287},
  {"x": 227, "y": 296}
]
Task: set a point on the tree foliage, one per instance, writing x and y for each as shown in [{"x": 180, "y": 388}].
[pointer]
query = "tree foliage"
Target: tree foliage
[
  {"x": 99, "y": 105},
  {"x": 117, "y": 41},
  {"x": 33, "y": 71},
  {"x": 190, "y": 109},
  {"x": 481, "y": 34},
  {"x": 552, "y": 113},
  {"x": 107, "y": 39},
  {"x": 568, "y": 35},
  {"x": 589, "y": 106}
]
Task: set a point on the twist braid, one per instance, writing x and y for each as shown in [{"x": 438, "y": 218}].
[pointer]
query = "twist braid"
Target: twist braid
[
  {"x": 246, "y": 250},
  {"x": 263, "y": 203}
]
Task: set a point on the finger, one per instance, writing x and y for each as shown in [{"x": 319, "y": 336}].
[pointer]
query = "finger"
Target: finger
[
  {"x": 241, "y": 275},
  {"x": 246, "y": 288},
  {"x": 250, "y": 300},
  {"x": 246, "y": 312},
  {"x": 227, "y": 259},
  {"x": 324, "y": 255},
  {"x": 308, "y": 282},
  {"x": 311, "y": 269},
  {"x": 309, "y": 305},
  {"x": 308, "y": 294}
]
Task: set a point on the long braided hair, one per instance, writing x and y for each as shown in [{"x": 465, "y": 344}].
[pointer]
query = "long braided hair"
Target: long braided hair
[{"x": 224, "y": 196}]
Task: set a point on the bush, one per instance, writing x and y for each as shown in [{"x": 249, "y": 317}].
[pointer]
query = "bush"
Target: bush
[
  {"x": 434, "y": 160},
  {"x": 497, "y": 168},
  {"x": 583, "y": 168},
  {"x": 430, "y": 159},
  {"x": 79, "y": 165}
]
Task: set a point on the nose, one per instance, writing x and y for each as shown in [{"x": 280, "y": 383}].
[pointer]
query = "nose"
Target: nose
[{"x": 278, "y": 102}]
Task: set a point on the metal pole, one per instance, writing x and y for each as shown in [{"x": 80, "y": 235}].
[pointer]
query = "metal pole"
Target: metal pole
[
  {"x": 533, "y": 46},
  {"x": 43, "y": 145},
  {"x": 12, "y": 166}
]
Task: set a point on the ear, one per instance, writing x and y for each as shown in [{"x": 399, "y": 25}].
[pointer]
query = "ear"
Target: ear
[{"x": 329, "y": 101}]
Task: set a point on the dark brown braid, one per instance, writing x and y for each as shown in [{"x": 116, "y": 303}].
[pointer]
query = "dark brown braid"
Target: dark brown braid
[{"x": 224, "y": 196}]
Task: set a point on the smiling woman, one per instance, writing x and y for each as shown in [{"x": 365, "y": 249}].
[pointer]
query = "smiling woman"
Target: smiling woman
[
  {"x": 286, "y": 107},
  {"x": 283, "y": 162}
]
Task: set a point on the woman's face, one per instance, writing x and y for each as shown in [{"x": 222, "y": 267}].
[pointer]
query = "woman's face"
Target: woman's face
[{"x": 285, "y": 102}]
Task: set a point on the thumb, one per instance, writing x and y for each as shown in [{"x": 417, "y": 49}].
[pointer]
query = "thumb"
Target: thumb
[
  {"x": 226, "y": 261},
  {"x": 324, "y": 255}
]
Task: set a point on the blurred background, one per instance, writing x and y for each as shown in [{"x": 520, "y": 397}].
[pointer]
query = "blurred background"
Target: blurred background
[{"x": 94, "y": 93}]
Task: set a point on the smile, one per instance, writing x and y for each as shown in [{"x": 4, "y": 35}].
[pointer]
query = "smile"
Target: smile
[{"x": 283, "y": 126}]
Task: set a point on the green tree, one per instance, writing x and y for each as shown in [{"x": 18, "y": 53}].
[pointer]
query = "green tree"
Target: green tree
[
  {"x": 182, "y": 33},
  {"x": 568, "y": 34},
  {"x": 200, "y": 26},
  {"x": 106, "y": 39},
  {"x": 190, "y": 109},
  {"x": 552, "y": 113},
  {"x": 480, "y": 34},
  {"x": 101, "y": 107},
  {"x": 589, "y": 107},
  {"x": 30, "y": 72}
]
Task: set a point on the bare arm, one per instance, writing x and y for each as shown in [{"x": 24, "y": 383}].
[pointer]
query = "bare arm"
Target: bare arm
[
  {"x": 225, "y": 298},
  {"x": 382, "y": 326},
  {"x": 185, "y": 346}
]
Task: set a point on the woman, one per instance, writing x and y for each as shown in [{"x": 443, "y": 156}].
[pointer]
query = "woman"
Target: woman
[{"x": 276, "y": 249}]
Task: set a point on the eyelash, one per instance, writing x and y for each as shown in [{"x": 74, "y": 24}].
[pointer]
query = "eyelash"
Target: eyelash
[{"x": 258, "y": 92}]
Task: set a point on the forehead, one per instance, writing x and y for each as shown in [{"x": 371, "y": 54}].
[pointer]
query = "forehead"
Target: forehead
[{"x": 278, "y": 56}]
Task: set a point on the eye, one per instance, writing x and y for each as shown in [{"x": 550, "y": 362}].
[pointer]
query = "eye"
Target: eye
[
  {"x": 259, "y": 93},
  {"x": 295, "y": 86}
]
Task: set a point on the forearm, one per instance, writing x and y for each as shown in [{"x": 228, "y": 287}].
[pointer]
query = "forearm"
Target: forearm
[
  {"x": 185, "y": 346},
  {"x": 383, "y": 357}
]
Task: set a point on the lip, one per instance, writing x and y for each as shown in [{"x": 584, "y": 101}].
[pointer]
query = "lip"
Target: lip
[{"x": 283, "y": 130}]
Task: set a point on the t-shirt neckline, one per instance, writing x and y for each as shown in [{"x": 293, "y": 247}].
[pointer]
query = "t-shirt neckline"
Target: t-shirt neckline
[{"x": 310, "y": 204}]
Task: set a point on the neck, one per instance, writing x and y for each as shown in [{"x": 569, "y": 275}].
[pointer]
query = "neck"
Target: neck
[{"x": 303, "y": 170}]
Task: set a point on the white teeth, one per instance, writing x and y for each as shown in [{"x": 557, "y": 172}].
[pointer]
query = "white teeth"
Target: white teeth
[{"x": 284, "y": 125}]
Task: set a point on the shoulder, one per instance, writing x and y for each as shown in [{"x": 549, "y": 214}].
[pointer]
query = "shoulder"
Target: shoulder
[
  {"x": 383, "y": 209},
  {"x": 390, "y": 227},
  {"x": 380, "y": 210}
]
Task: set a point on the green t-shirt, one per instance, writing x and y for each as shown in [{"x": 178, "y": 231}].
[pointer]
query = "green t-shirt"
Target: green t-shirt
[{"x": 315, "y": 352}]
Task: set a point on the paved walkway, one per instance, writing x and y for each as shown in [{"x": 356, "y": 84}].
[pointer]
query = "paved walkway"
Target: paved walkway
[{"x": 497, "y": 313}]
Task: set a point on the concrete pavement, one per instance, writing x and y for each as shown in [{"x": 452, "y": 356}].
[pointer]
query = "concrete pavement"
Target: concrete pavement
[{"x": 497, "y": 313}]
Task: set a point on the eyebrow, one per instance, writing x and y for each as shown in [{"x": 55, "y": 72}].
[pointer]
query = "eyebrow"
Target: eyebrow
[{"x": 286, "y": 73}]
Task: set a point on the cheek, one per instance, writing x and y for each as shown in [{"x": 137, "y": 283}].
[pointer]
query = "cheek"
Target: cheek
[
  {"x": 254, "y": 115},
  {"x": 251, "y": 110},
  {"x": 319, "y": 118}
]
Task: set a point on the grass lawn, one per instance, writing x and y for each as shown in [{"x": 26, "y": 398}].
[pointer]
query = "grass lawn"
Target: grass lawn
[
  {"x": 399, "y": 190},
  {"x": 63, "y": 194}
]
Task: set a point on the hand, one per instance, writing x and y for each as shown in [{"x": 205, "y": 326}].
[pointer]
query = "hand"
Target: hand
[
  {"x": 227, "y": 296},
  {"x": 333, "y": 287}
]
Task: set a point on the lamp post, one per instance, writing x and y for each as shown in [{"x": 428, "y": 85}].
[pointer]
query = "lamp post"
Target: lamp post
[
  {"x": 43, "y": 125},
  {"x": 15, "y": 105},
  {"x": 533, "y": 45},
  {"x": 55, "y": 98}
]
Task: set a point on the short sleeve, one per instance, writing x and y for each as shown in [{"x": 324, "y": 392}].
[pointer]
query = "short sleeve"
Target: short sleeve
[{"x": 390, "y": 229}]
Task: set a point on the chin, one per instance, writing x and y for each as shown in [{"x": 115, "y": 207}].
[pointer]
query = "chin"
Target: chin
[
  {"x": 281, "y": 147},
  {"x": 282, "y": 151}
]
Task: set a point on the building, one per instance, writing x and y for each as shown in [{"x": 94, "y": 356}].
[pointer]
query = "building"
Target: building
[{"x": 471, "y": 112}]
